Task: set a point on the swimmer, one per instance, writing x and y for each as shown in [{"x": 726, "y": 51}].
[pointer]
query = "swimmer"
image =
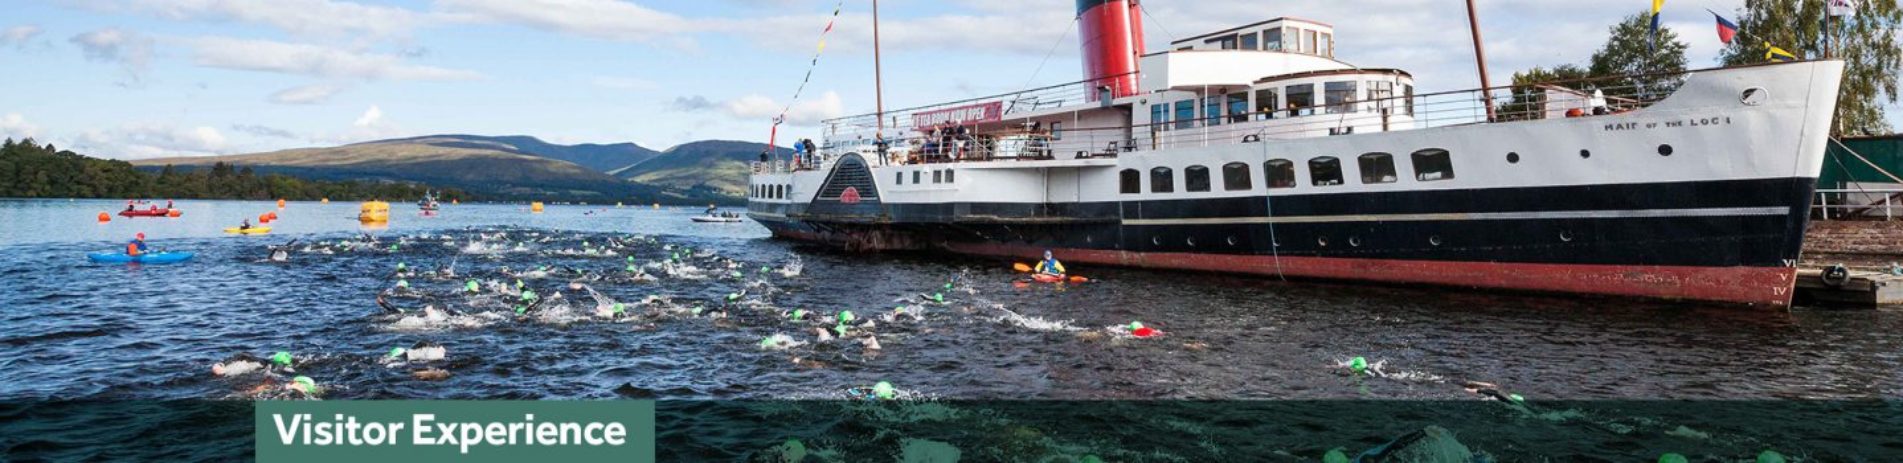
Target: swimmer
[
  {"x": 238, "y": 365},
  {"x": 304, "y": 385},
  {"x": 422, "y": 351},
  {"x": 881, "y": 391},
  {"x": 281, "y": 253}
]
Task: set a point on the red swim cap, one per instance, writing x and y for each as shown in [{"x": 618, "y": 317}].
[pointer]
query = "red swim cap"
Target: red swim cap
[
  {"x": 141, "y": 235},
  {"x": 1144, "y": 332}
]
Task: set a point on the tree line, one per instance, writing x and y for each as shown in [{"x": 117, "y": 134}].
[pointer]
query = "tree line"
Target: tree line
[{"x": 31, "y": 170}]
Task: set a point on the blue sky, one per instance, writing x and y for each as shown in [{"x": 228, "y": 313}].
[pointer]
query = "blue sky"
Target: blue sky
[{"x": 150, "y": 78}]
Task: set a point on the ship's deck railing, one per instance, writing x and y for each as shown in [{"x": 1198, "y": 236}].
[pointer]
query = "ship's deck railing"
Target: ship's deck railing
[
  {"x": 1582, "y": 98},
  {"x": 1858, "y": 204}
]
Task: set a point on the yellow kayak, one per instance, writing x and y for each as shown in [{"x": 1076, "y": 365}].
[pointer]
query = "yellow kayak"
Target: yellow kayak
[{"x": 249, "y": 231}]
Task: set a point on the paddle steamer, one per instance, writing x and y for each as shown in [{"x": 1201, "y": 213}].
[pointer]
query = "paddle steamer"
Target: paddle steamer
[{"x": 1255, "y": 150}]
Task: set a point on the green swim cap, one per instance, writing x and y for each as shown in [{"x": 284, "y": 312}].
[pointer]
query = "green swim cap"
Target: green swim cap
[
  {"x": 281, "y": 358},
  {"x": 396, "y": 352},
  {"x": 948, "y": 285},
  {"x": 392, "y": 247},
  {"x": 403, "y": 283},
  {"x": 630, "y": 259},
  {"x": 766, "y": 341},
  {"x": 1357, "y": 364},
  {"x": 764, "y": 269},
  {"x": 543, "y": 268},
  {"x": 1669, "y": 457},
  {"x": 528, "y": 295},
  {"x": 899, "y": 309},
  {"x": 845, "y": 316},
  {"x": 519, "y": 310},
  {"x": 697, "y": 310},
  {"x": 884, "y": 390},
  {"x": 733, "y": 296},
  {"x": 401, "y": 265},
  {"x": 738, "y": 274},
  {"x": 306, "y": 381},
  {"x": 1135, "y": 325},
  {"x": 472, "y": 286},
  {"x": 620, "y": 309},
  {"x": 1771, "y": 456},
  {"x": 840, "y": 329},
  {"x": 799, "y": 315},
  {"x": 1335, "y": 455},
  {"x": 1090, "y": 459},
  {"x": 518, "y": 283},
  {"x": 938, "y": 297},
  {"x": 1516, "y": 398}
]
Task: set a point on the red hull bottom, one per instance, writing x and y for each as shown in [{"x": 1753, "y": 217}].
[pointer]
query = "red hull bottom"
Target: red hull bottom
[{"x": 1757, "y": 286}]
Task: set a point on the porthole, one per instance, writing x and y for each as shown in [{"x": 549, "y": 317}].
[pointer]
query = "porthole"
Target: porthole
[
  {"x": 1566, "y": 235},
  {"x": 1513, "y": 158},
  {"x": 1665, "y": 150},
  {"x": 1322, "y": 240},
  {"x": 1090, "y": 239},
  {"x": 1585, "y": 154},
  {"x": 1434, "y": 240},
  {"x": 1354, "y": 241},
  {"x": 1190, "y": 241},
  {"x": 1232, "y": 241},
  {"x": 1156, "y": 240}
]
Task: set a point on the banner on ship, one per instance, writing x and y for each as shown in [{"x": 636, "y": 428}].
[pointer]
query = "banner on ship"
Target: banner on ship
[{"x": 959, "y": 116}]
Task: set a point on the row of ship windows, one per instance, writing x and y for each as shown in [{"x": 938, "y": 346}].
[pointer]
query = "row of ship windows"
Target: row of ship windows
[
  {"x": 770, "y": 191},
  {"x": 1429, "y": 165},
  {"x": 938, "y": 176}
]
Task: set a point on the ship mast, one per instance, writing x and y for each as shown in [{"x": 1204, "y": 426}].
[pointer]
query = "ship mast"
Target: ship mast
[
  {"x": 1480, "y": 59},
  {"x": 878, "y": 78}
]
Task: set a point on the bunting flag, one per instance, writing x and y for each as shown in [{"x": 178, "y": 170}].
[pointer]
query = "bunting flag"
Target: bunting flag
[
  {"x": 1654, "y": 34},
  {"x": 1773, "y": 53},
  {"x": 1727, "y": 30},
  {"x": 774, "y": 134}
]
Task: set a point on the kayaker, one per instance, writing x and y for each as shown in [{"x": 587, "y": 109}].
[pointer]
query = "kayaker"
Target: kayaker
[
  {"x": 1050, "y": 265},
  {"x": 137, "y": 246},
  {"x": 246, "y": 225}
]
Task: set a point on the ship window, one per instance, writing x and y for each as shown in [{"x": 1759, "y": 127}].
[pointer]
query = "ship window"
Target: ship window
[
  {"x": 1433, "y": 164},
  {"x": 1327, "y": 45},
  {"x": 1185, "y": 114},
  {"x": 1265, "y": 103},
  {"x": 1340, "y": 96},
  {"x": 938, "y": 176},
  {"x": 1235, "y": 177},
  {"x": 1248, "y": 41},
  {"x": 1309, "y": 45},
  {"x": 1377, "y": 168},
  {"x": 1160, "y": 116},
  {"x": 1057, "y": 131},
  {"x": 1224, "y": 42},
  {"x": 1162, "y": 180},
  {"x": 1239, "y": 107},
  {"x": 1212, "y": 111},
  {"x": 1408, "y": 92},
  {"x": 1272, "y": 39},
  {"x": 1131, "y": 181},
  {"x": 1195, "y": 178},
  {"x": 1301, "y": 100},
  {"x": 1280, "y": 173},
  {"x": 948, "y": 176},
  {"x": 915, "y": 175},
  {"x": 1324, "y": 171},
  {"x": 898, "y": 179}
]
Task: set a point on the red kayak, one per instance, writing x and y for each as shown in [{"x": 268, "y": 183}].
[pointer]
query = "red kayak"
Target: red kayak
[
  {"x": 145, "y": 212},
  {"x": 1047, "y": 278}
]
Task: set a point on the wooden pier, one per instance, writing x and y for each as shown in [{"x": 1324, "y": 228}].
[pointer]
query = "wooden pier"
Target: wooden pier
[
  {"x": 1848, "y": 289},
  {"x": 1866, "y": 249}
]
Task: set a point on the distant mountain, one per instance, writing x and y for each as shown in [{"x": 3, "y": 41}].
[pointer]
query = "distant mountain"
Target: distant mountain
[
  {"x": 600, "y": 158},
  {"x": 717, "y": 166},
  {"x": 487, "y": 169}
]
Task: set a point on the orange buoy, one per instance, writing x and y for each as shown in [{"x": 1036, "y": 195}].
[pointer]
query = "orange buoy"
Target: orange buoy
[
  {"x": 280, "y": 203},
  {"x": 274, "y": 215},
  {"x": 104, "y": 217},
  {"x": 174, "y": 213},
  {"x": 264, "y": 218}
]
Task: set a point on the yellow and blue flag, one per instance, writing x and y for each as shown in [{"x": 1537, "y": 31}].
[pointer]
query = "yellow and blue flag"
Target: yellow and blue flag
[
  {"x": 1656, "y": 6},
  {"x": 1773, "y": 53}
]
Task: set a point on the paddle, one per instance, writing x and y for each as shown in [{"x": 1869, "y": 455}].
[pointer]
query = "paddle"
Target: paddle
[{"x": 1021, "y": 267}]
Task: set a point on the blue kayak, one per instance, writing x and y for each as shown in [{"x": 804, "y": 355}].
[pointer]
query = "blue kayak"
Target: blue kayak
[{"x": 147, "y": 258}]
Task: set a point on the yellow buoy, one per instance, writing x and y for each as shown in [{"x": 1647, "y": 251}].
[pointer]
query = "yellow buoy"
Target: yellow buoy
[
  {"x": 535, "y": 207},
  {"x": 374, "y": 212}
]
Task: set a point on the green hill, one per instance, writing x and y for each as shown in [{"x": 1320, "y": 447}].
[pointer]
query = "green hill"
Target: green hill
[
  {"x": 597, "y": 157},
  {"x": 713, "y": 166}
]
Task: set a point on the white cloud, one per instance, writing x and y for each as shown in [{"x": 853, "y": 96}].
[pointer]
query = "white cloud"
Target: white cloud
[
  {"x": 19, "y": 36},
  {"x": 804, "y": 112},
  {"x": 15, "y": 126},
  {"x": 132, "y": 51},
  {"x": 149, "y": 140},
  {"x": 327, "y": 18},
  {"x": 370, "y": 117},
  {"x": 307, "y": 94},
  {"x": 313, "y": 60},
  {"x": 601, "y": 19}
]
